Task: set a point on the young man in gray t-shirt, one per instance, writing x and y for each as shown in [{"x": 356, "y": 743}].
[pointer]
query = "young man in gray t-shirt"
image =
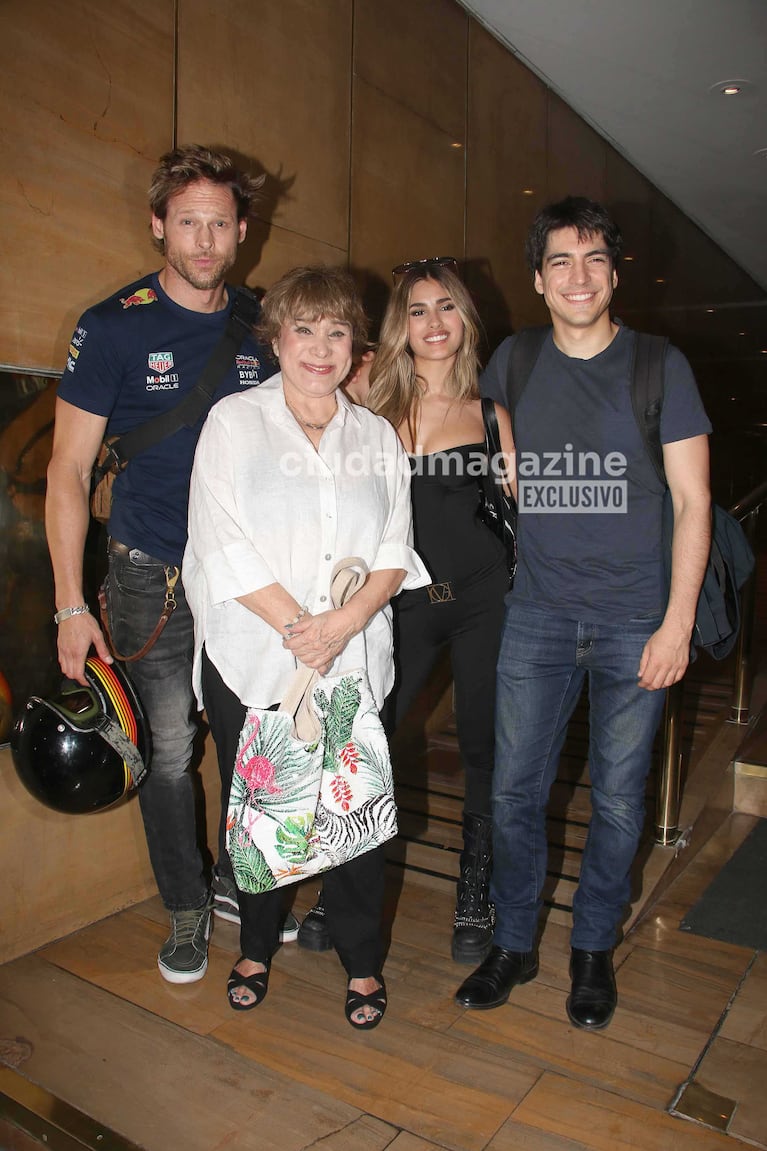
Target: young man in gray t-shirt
[{"x": 588, "y": 601}]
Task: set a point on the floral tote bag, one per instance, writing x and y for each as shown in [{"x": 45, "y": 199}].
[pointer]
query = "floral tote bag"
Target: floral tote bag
[{"x": 312, "y": 785}]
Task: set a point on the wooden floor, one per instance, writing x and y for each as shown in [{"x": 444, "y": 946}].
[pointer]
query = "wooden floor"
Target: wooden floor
[
  {"x": 120, "y": 1059},
  {"x": 90, "y": 1020},
  {"x": 172, "y": 1067}
]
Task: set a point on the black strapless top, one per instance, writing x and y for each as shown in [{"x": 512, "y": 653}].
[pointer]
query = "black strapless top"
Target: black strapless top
[{"x": 449, "y": 536}]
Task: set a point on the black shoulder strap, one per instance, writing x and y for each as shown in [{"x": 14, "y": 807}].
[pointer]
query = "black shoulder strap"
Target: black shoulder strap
[
  {"x": 492, "y": 431},
  {"x": 525, "y": 349},
  {"x": 646, "y": 382},
  {"x": 647, "y": 394},
  {"x": 244, "y": 315}
]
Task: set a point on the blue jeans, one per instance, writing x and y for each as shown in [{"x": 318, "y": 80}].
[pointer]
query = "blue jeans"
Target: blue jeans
[
  {"x": 163, "y": 679},
  {"x": 543, "y": 662}
]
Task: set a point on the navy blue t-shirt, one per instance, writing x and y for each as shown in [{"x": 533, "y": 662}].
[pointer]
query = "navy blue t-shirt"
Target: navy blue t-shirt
[
  {"x": 133, "y": 356},
  {"x": 589, "y": 498}
]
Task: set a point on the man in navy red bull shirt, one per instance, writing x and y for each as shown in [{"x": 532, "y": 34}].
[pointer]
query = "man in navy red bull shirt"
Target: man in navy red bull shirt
[{"x": 132, "y": 357}]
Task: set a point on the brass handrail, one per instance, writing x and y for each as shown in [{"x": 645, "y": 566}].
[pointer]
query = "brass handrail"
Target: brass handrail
[{"x": 669, "y": 792}]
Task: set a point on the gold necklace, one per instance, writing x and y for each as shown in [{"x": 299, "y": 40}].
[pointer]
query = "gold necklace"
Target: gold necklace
[{"x": 308, "y": 423}]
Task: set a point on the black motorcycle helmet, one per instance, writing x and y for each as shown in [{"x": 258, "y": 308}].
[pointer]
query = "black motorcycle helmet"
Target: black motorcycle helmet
[{"x": 87, "y": 747}]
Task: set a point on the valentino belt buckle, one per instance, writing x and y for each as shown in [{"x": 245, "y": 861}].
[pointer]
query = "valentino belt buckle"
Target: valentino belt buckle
[{"x": 440, "y": 592}]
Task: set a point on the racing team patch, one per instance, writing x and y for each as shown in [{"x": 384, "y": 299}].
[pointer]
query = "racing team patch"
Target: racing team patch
[
  {"x": 160, "y": 361},
  {"x": 78, "y": 339}
]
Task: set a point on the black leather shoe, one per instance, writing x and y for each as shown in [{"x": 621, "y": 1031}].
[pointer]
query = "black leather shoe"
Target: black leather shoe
[
  {"x": 491, "y": 984},
  {"x": 594, "y": 996},
  {"x": 313, "y": 934}
]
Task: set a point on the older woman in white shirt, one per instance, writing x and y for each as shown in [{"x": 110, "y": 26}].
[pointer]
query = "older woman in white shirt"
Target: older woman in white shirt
[{"x": 289, "y": 478}]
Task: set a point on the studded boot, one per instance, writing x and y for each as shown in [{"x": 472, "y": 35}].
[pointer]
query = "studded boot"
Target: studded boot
[{"x": 474, "y": 913}]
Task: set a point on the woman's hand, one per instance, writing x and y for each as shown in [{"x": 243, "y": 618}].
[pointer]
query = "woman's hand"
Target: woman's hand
[{"x": 317, "y": 640}]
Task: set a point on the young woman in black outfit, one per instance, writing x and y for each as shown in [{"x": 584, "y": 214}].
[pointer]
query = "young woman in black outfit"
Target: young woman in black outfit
[{"x": 424, "y": 381}]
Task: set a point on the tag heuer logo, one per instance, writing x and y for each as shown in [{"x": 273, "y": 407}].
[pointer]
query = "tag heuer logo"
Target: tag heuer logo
[{"x": 160, "y": 361}]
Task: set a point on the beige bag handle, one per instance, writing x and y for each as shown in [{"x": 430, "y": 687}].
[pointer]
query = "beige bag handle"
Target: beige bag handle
[{"x": 347, "y": 577}]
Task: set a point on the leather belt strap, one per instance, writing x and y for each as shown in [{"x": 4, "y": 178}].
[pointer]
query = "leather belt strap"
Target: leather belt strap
[{"x": 172, "y": 574}]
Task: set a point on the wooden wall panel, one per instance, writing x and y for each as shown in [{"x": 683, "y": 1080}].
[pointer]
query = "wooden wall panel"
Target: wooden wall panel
[
  {"x": 407, "y": 189},
  {"x": 61, "y": 872},
  {"x": 88, "y": 98},
  {"x": 277, "y": 93},
  {"x": 696, "y": 272},
  {"x": 408, "y": 138},
  {"x": 506, "y": 183},
  {"x": 576, "y": 154},
  {"x": 270, "y": 251},
  {"x": 628, "y": 196},
  {"x": 415, "y": 53}
]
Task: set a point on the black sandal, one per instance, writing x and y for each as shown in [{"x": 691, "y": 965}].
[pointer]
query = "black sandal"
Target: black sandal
[
  {"x": 376, "y": 999},
  {"x": 257, "y": 983}
]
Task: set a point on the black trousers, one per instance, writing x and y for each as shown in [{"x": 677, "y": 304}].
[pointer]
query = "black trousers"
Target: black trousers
[
  {"x": 470, "y": 625},
  {"x": 353, "y": 892}
]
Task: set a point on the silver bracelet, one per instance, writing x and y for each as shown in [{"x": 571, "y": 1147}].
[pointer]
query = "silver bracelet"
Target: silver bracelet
[
  {"x": 66, "y": 612},
  {"x": 304, "y": 611}
]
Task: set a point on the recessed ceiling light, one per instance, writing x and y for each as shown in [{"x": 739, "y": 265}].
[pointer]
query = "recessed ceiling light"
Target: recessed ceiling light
[
  {"x": 710, "y": 311},
  {"x": 628, "y": 259},
  {"x": 456, "y": 145},
  {"x": 660, "y": 280},
  {"x": 731, "y": 88},
  {"x": 741, "y": 333},
  {"x": 528, "y": 191}
]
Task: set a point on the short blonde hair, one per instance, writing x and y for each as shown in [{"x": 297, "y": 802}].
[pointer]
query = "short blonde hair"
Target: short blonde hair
[{"x": 313, "y": 293}]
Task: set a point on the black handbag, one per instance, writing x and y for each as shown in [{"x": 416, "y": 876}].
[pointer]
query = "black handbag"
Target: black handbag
[{"x": 497, "y": 510}]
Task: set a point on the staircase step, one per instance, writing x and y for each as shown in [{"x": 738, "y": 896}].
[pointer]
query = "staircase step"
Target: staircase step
[
  {"x": 750, "y": 768},
  {"x": 752, "y": 754}
]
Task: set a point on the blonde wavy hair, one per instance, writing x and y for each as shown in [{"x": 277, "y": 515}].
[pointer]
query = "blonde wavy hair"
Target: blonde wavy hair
[{"x": 395, "y": 388}]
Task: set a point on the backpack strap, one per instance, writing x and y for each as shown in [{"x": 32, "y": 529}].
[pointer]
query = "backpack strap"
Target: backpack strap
[
  {"x": 647, "y": 373},
  {"x": 244, "y": 315},
  {"x": 525, "y": 349}
]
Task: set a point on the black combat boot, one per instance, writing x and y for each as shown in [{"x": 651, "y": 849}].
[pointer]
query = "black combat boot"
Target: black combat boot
[
  {"x": 474, "y": 913},
  {"x": 313, "y": 933}
]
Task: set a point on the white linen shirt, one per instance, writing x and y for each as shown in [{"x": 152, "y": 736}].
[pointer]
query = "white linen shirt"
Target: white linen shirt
[{"x": 266, "y": 507}]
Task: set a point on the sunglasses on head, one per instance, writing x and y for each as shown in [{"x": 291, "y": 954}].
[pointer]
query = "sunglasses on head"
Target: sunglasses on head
[{"x": 440, "y": 261}]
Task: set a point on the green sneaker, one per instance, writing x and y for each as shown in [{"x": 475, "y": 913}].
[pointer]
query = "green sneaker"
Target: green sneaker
[
  {"x": 183, "y": 956},
  {"x": 226, "y": 906}
]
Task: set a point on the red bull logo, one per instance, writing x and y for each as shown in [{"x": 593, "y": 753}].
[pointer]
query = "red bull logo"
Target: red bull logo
[{"x": 142, "y": 296}]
